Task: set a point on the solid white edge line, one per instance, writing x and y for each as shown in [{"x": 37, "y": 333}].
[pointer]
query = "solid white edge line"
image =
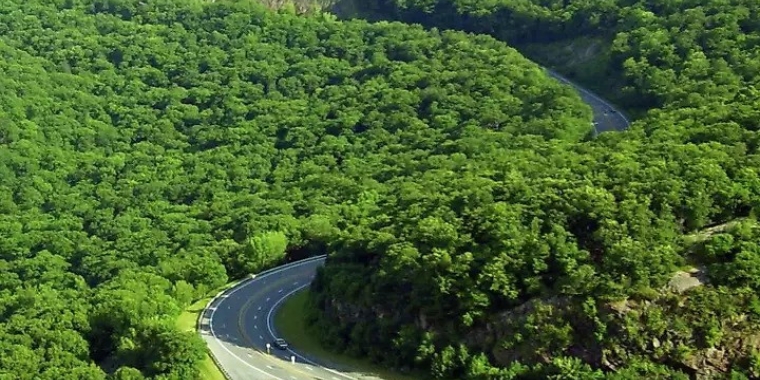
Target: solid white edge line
[
  {"x": 239, "y": 286},
  {"x": 271, "y": 332},
  {"x": 221, "y": 344}
]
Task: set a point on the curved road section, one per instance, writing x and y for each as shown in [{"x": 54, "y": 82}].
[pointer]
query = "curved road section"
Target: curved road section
[
  {"x": 606, "y": 116},
  {"x": 238, "y": 324}
]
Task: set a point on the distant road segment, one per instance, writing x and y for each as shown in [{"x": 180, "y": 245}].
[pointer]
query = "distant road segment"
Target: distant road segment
[{"x": 606, "y": 117}]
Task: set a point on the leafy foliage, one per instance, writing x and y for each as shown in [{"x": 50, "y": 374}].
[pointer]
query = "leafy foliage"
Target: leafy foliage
[
  {"x": 552, "y": 260},
  {"x": 153, "y": 150}
]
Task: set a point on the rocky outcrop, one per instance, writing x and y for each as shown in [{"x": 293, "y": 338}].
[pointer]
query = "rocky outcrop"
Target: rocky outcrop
[
  {"x": 683, "y": 281},
  {"x": 349, "y": 314},
  {"x": 713, "y": 362},
  {"x": 627, "y": 330},
  {"x": 346, "y": 313},
  {"x": 502, "y": 324},
  {"x": 299, "y": 6}
]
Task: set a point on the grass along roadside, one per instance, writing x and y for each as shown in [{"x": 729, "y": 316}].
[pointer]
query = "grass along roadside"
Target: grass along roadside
[
  {"x": 188, "y": 321},
  {"x": 291, "y": 325}
]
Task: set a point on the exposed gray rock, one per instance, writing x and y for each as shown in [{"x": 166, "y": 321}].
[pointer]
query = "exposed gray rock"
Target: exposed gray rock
[{"x": 683, "y": 281}]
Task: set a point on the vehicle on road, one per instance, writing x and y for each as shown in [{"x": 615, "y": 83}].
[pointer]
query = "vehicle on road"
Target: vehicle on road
[{"x": 281, "y": 343}]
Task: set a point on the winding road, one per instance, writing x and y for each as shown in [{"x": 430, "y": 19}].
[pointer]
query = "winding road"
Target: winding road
[
  {"x": 606, "y": 117},
  {"x": 238, "y": 323}
]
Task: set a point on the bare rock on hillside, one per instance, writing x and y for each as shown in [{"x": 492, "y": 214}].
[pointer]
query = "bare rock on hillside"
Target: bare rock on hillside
[{"x": 683, "y": 281}]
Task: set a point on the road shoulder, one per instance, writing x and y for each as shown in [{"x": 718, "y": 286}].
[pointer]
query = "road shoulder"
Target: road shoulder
[{"x": 188, "y": 321}]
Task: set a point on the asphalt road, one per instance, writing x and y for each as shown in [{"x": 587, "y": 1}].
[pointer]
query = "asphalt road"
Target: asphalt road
[
  {"x": 606, "y": 116},
  {"x": 238, "y": 324}
]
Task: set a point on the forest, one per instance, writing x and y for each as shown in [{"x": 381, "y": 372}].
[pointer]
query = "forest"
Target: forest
[
  {"x": 563, "y": 259},
  {"x": 154, "y": 150}
]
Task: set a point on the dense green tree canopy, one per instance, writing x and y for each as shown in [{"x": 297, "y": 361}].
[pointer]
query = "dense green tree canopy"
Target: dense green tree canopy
[
  {"x": 553, "y": 259},
  {"x": 153, "y": 150}
]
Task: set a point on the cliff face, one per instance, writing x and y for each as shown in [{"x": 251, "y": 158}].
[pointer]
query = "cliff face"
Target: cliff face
[
  {"x": 345, "y": 313},
  {"x": 672, "y": 329},
  {"x": 673, "y": 343},
  {"x": 299, "y": 6}
]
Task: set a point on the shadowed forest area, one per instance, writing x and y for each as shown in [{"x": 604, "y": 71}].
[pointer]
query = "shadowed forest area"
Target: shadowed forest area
[{"x": 150, "y": 151}]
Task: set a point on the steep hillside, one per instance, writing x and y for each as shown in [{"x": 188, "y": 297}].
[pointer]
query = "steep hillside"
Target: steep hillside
[
  {"x": 151, "y": 150},
  {"x": 560, "y": 263}
]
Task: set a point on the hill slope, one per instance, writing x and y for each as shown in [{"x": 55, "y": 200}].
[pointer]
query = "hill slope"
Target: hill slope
[
  {"x": 527, "y": 263},
  {"x": 152, "y": 150}
]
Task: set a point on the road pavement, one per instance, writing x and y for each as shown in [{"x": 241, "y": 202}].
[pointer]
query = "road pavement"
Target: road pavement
[
  {"x": 238, "y": 323},
  {"x": 606, "y": 116}
]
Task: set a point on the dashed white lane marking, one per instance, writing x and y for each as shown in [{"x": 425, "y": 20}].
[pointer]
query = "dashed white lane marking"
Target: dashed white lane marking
[
  {"x": 222, "y": 346},
  {"x": 279, "y": 291},
  {"x": 256, "y": 327},
  {"x": 261, "y": 337},
  {"x": 268, "y": 299},
  {"x": 295, "y": 283},
  {"x": 259, "y": 307},
  {"x": 254, "y": 317},
  {"x": 309, "y": 368}
]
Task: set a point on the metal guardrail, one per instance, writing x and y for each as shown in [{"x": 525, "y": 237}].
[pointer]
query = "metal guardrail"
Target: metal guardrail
[{"x": 231, "y": 287}]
